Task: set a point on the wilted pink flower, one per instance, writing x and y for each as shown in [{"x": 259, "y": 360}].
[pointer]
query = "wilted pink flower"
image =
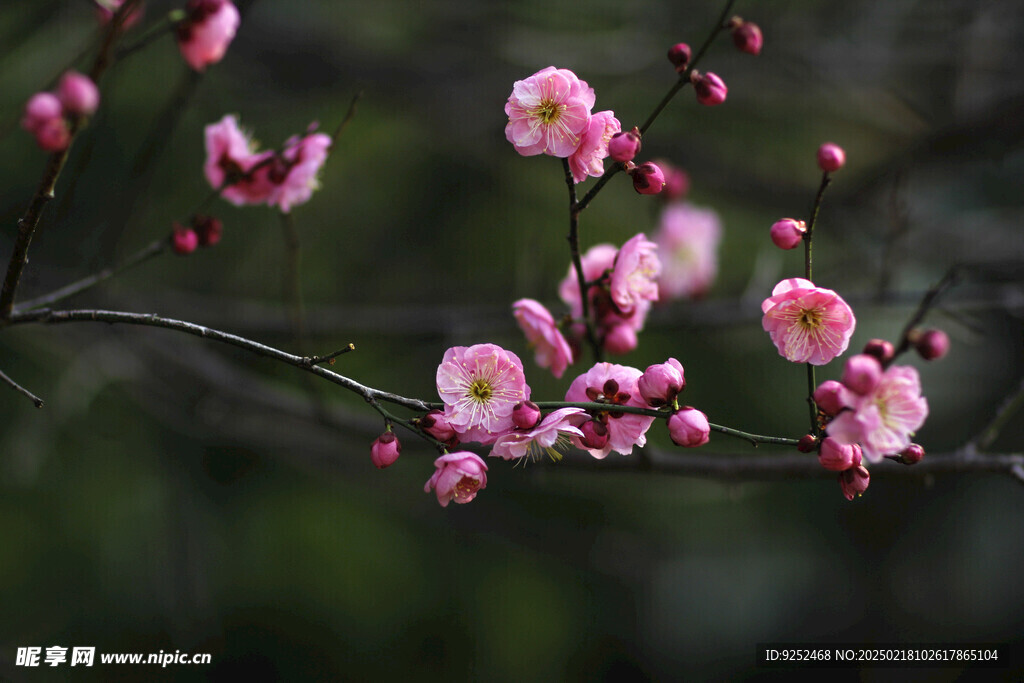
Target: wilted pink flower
[
  {"x": 710, "y": 88},
  {"x": 458, "y": 477},
  {"x": 614, "y": 385},
  {"x": 837, "y": 456},
  {"x": 854, "y": 481},
  {"x": 206, "y": 32},
  {"x": 551, "y": 350},
  {"x": 687, "y": 238},
  {"x": 883, "y": 420},
  {"x": 548, "y": 113},
  {"x": 295, "y": 174},
  {"x": 634, "y": 276},
  {"x": 588, "y": 159},
  {"x": 552, "y": 432},
  {"x": 808, "y": 324},
  {"x": 385, "y": 450},
  {"x": 480, "y": 385},
  {"x": 78, "y": 94},
  {"x": 831, "y": 157},
  {"x": 229, "y": 155},
  {"x": 688, "y": 427},
  {"x": 660, "y": 384}
]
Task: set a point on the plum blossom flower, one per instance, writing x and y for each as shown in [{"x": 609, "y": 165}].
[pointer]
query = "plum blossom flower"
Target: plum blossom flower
[
  {"x": 229, "y": 154},
  {"x": 687, "y": 239},
  {"x": 206, "y": 32},
  {"x": 614, "y": 385},
  {"x": 588, "y": 159},
  {"x": 551, "y": 350},
  {"x": 548, "y": 113},
  {"x": 883, "y": 420},
  {"x": 458, "y": 477},
  {"x": 689, "y": 427},
  {"x": 552, "y": 432},
  {"x": 634, "y": 277},
  {"x": 661, "y": 383},
  {"x": 480, "y": 386},
  {"x": 295, "y": 176},
  {"x": 808, "y": 324}
]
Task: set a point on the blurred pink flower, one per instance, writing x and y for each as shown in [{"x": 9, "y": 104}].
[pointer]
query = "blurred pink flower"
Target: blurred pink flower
[
  {"x": 808, "y": 324},
  {"x": 547, "y": 436},
  {"x": 614, "y": 385},
  {"x": 458, "y": 477},
  {"x": 295, "y": 175},
  {"x": 480, "y": 385},
  {"x": 883, "y": 420},
  {"x": 206, "y": 32},
  {"x": 548, "y": 113},
  {"x": 598, "y": 259},
  {"x": 229, "y": 154},
  {"x": 687, "y": 239},
  {"x": 551, "y": 350},
  {"x": 634, "y": 276},
  {"x": 588, "y": 159}
]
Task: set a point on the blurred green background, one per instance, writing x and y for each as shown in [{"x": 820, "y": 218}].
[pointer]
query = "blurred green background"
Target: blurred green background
[{"x": 176, "y": 495}]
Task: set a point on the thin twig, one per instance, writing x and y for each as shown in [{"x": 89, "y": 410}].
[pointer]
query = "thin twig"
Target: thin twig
[
  {"x": 577, "y": 262},
  {"x": 349, "y": 115},
  {"x": 1010, "y": 405},
  {"x": 329, "y": 358},
  {"x": 21, "y": 390},
  {"x": 927, "y": 302}
]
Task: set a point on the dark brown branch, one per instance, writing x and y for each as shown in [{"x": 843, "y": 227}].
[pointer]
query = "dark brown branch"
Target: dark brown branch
[{"x": 21, "y": 390}]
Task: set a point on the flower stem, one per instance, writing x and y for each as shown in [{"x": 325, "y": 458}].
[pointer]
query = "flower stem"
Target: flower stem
[
  {"x": 808, "y": 272},
  {"x": 577, "y": 262}
]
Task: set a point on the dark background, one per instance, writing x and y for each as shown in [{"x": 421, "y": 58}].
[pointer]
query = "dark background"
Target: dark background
[{"x": 178, "y": 495}]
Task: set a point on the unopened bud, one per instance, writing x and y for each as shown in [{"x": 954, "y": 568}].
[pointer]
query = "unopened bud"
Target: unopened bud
[
  {"x": 208, "y": 229},
  {"x": 837, "y": 456},
  {"x": 931, "y": 344},
  {"x": 78, "y": 94},
  {"x": 679, "y": 55},
  {"x": 184, "y": 240},
  {"x": 595, "y": 434},
  {"x": 747, "y": 37},
  {"x": 689, "y": 427},
  {"x": 881, "y": 349},
  {"x": 436, "y": 425},
  {"x": 40, "y": 109},
  {"x": 710, "y": 88},
  {"x": 526, "y": 415},
  {"x": 660, "y": 384},
  {"x": 624, "y": 145},
  {"x": 53, "y": 135},
  {"x": 831, "y": 157},
  {"x": 854, "y": 481},
  {"x": 385, "y": 450},
  {"x": 807, "y": 444},
  {"x": 788, "y": 233},
  {"x": 862, "y": 373},
  {"x": 912, "y": 454},
  {"x": 648, "y": 178},
  {"x": 831, "y": 397}
]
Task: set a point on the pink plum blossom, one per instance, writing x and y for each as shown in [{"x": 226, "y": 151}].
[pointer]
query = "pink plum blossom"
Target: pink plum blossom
[
  {"x": 206, "y": 32},
  {"x": 689, "y": 427},
  {"x": 854, "y": 481},
  {"x": 553, "y": 430},
  {"x": 660, "y": 384},
  {"x": 229, "y": 153},
  {"x": 687, "y": 238},
  {"x": 837, "y": 456},
  {"x": 634, "y": 276},
  {"x": 648, "y": 178},
  {"x": 295, "y": 176},
  {"x": 831, "y": 397},
  {"x": 807, "y": 324},
  {"x": 458, "y": 477},
  {"x": 588, "y": 159},
  {"x": 883, "y": 420},
  {"x": 548, "y": 113},
  {"x": 614, "y": 385},
  {"x": 551, "y": 350},
  {"x": 480, "y": 386},
  {"x": 385, "y": 450}
]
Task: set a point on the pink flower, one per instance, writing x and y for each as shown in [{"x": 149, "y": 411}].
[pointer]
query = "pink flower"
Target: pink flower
[
  {"x": 687, "y": 239},
  {"x": 883, "y": 420},
  {"x": 295, "y": 176},
  {"x": 808, "y": 324},
  {"x": 831, "y": 157},
  {"x": 710, "y": 88},
  {"x": 458, "y": 477},
  {"x": 837, "y": 456},
  {"x": 229, "y": 154},
  {"x": 480, "y": 385},
  {"x": 831, "y": 397},
  {"x": 78, "y": 94},
  {"x": 689, "y": 427},
  {"x": 548, "y": 113},
  {"x": 551, "y": 350},
  {"x": 625, "y": 145},
  {"x": 598, "y": 259},
  {"x": 854, "y": 481},
  {"x": 588, "y": 159},
  {"x": 634, "y": 277},
  {"x": 787, "y": 233},
  {"x": 204, "y": 35},
  {"x": 552, "y": 432},
  {"x": 385, "y": 450},
  {"x": 648, "y": 178},
  {"x": 614, "y": 385},
  {"x": 660, "y": 384}
]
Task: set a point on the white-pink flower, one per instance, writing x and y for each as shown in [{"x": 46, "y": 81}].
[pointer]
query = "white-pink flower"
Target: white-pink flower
[
  {"x": 548, "y": 113},
  {"x": 551, "y": 350},
  {"x": 614, "y": 385},
  {"x": 206, "y": 32},
  {"x": 808, "y": 324},
  {"x": 883, "y": 420},
  {"x": 295, "y": 177},
  {"x": 458, "y": 476},
  {"x": 229, "y": 154},
  {"x": 553, "y": 431},
  {"x": 634, "y": 277},
  {"x": 480, "y": 385},
  {"x": 687, "y": 238},
  {"x": 588, "y": 159}
]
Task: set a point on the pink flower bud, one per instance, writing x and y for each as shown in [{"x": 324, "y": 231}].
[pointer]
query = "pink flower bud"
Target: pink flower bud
[
  {"x": 912, "y": 454},
  {"x": 660, "y": 384},
  {"x": 679, "y": 55},
  {"x": 40, "y": 109},
  {"x": 931, "y": 344},
  {"x": 854, "y": 481},
  {"x": 648, "y": 178},
  {"x": 837, "y": 456},
  {"x": 624, "y": 145},
  {"x": 53, "y": 135},
  {"x": 595, "y": 434},
  {"x": 710, "y": 89},
  {"x": 862, "y": 373},
  {"x": 526, "y": 415},
  {"x": 747, "y": 37},
  {"x": 208, "y": 229},
  {"x": 436, "y": 425},
  {"x": 688, "y": 427},
  {"x": 880, "y": 349},
  {"x": 677, "y": 182},
  {"x": 78, "y": 94},
  {"x": 788, "y": 233},
  {"x": 385, "y": 450},
  {"x": 831, "y": 157},
  {"x": 807, "y": 444},
  {"x": 184, "y": 240},
  {"x": 832, "y": 397},
  {"x": 204, "y": 35},
  {"x": 620, "y": 340}
]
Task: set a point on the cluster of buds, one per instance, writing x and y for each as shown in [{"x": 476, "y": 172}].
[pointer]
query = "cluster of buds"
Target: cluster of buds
[
  {"x": 660, "y": 386},
  {"x": 49, "y": 115},
  {"x": 202, "y": 231}
]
